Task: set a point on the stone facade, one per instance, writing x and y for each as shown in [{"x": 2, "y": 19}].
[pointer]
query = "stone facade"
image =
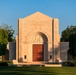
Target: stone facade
[{"x": 38, "y": 29}]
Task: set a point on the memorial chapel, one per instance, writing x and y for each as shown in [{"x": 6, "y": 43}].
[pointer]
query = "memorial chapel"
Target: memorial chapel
[{"x": 38, "y": 40}]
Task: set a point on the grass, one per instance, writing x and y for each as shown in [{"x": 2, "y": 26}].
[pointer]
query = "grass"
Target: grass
[{"x": 36, "y": 70}]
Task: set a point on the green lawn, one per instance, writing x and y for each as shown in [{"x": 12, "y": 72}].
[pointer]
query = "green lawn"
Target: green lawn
[{"x": 35, "y": 70}]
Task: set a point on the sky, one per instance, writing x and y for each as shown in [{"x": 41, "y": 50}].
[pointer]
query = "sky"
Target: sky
[{"x": 12, "y": 10}]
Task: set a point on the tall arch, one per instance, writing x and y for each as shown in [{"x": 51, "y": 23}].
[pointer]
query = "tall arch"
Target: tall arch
[{"x": 39, "y": 45}]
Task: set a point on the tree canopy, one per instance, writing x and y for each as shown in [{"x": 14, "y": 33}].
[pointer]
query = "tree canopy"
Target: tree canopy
[
  {"x": 72, "y": 44},
  {"x": 3, "y": 41},
  {"x": 9, "y": 31},
  {"x": 66, "y": 33},
  {"x": 6, "y": 35}
]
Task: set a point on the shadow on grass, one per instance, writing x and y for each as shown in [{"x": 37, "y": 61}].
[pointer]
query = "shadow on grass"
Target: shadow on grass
[{"x": 25, "y": 71}]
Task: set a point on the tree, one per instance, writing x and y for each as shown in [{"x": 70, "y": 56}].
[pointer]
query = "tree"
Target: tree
[
  {"x": 3, "y": 41},
  {"x": 72, "y": 43},
  {"x": 66, "y": 33},
  {"x": 6, "y": 35},
  {"x": 9, "y": 31}
]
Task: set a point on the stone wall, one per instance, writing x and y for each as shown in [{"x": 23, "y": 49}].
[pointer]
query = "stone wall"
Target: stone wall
[
  {"x": 64, "y": 46},
  {"x": 11, "y": 46}
]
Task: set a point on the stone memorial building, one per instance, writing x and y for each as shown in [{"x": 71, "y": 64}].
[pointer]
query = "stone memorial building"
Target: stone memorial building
[{"x": 38, "y": 39}]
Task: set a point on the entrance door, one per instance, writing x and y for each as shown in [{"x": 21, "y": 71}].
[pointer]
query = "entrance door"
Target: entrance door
[{"x": 38, "y": 52}]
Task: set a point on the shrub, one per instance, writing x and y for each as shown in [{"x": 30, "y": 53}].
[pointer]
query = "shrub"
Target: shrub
[
  {"x": 67, "y": 63},
  {"x": 74, "y": 61},
  {"x": 10, "y": 63},
  {"x": 3, "y": 64}
]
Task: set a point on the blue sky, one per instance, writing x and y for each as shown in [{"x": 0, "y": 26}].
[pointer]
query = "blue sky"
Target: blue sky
[{"x": 64, "y": 10}]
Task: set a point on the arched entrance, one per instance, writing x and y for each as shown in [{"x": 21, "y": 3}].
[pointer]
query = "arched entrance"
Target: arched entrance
[
  {"x": 39, "y": 44},
  {"x": 37, "y": 47}
]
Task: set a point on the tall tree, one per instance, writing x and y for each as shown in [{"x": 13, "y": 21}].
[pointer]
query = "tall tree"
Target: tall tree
[
  {"x": 6, "y": 35},
  {"x": 72, "y": 42},
  {"x": 9, "y": 31},
  {"x": 3, "y": 41}
]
